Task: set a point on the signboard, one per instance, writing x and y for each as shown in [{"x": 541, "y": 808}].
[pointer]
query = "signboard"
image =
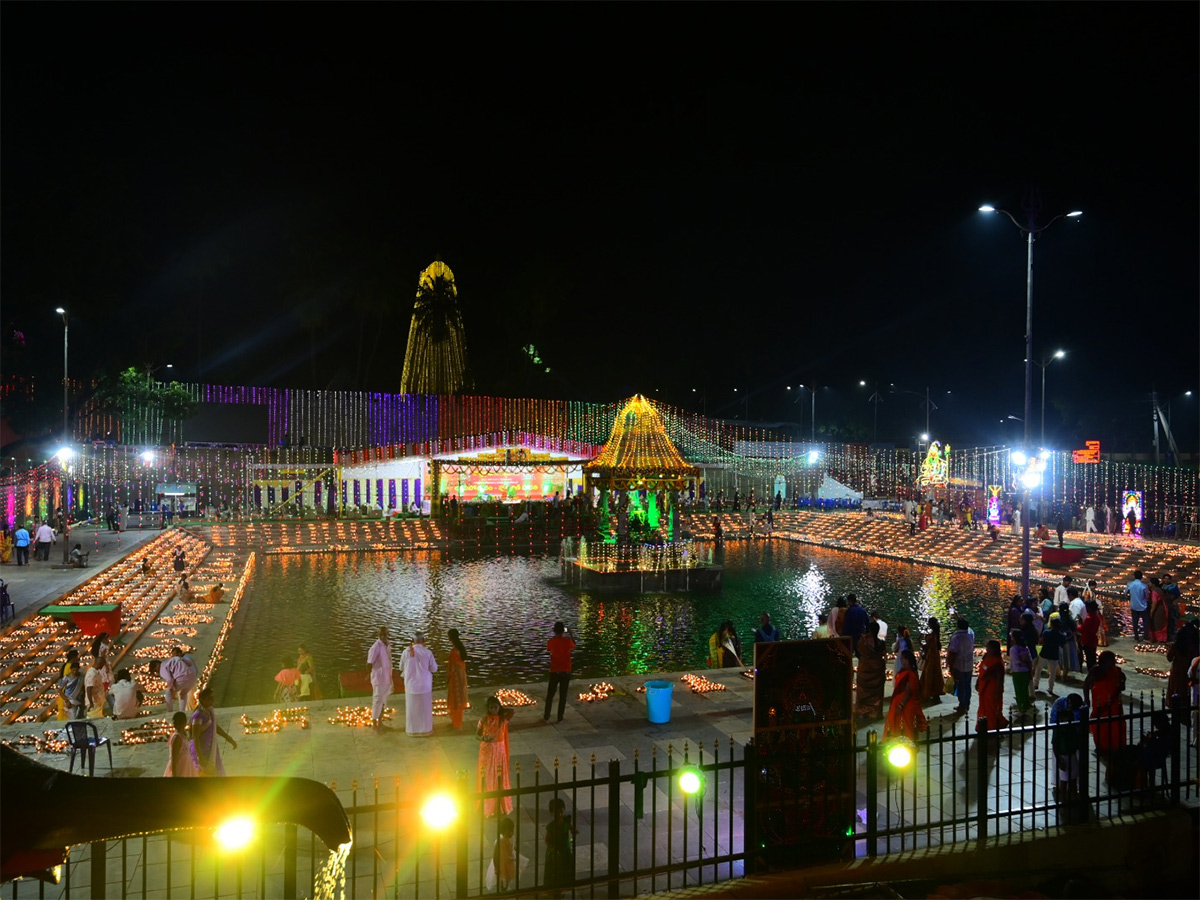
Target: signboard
[
  {"x": 176, "y": 490},
  {"x": 804, "y": 773},
  {"x": 1090, "y": 453}
]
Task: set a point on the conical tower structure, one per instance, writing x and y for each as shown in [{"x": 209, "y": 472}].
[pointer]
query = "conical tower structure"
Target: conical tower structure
[
  {"x": 436, "y": 359},
  {"x": 639, "y": 453}
]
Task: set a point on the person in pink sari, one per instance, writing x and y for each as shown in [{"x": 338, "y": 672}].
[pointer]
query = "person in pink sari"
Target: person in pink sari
[
  {"x": 179, "y": 760},
  {"x": 492, "y": 774}
]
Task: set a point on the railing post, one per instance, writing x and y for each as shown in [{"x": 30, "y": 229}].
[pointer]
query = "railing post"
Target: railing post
[
  {"x": 1082, "y": 811},
  {"x": 614, "y": 828},
  {"x": 460, "y": 837},
  {"x": 981, "y": 779},
  {"x": 289, "y": 861},
  {"x": 1178, "y": 710},
  {"x": 99, "y": 870},
  {"x": 750, "y": 769},
  {"x": 872, "y": 791}
]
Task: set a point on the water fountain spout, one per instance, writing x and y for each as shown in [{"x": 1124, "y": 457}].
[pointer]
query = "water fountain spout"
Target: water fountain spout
[{"x": 45, "y": 811}]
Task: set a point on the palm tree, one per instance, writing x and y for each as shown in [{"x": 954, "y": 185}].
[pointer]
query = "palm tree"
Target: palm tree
[{"x": 436, "y": 359}]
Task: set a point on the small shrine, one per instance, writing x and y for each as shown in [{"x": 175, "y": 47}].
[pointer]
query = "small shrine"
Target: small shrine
[{"x": 635, "y": 482}]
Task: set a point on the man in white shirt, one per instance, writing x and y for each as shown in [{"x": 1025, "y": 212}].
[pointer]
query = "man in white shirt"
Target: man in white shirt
[
  {"x": 379, "y": 658},
  {"x": 43, "y": 538},
  {"x": 1060, "y": 593},
  {"x": 418, "y": 666},
  {"x": 126, "y": 696},
  {"x": 1077, "y": 607},
  {"x": 1089, "y": 517}
]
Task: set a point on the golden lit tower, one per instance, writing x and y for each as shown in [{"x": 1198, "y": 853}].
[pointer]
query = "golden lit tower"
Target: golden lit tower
[{"x": 436, "y": 359}]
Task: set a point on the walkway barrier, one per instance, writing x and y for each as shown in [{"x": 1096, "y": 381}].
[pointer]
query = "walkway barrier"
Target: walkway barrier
[{"x": 639, "y": 831}]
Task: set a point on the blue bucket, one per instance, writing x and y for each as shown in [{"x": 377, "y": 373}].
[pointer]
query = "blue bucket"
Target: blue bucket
[{"x": 658, "y": 701}]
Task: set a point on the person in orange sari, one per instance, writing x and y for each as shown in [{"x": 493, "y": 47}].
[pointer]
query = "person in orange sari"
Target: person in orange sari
[
  {"x": 990, "y": 685},
  {"x": 456, "y": 679},
  {"x": 1102, "y": 688},
  {"x": 492, "y": 774},
  {"x": 905, "y": 716}
]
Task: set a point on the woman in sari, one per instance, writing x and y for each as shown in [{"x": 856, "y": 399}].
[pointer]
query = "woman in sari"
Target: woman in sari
[
  {"x": 933, "y": 683},
  {"x": 1156, "y": 616},
  {"x": 205, "y": 754},
  {"x": 456, "y": 679},
  {"x": 492, "y": 773},
  {"x": 1103, "y": 686},
  {"x": 870, "y": 678},
  {"x": 990, "y": 685},
  {"x": 905, "y": 716},
  {"x": 179, "y": 757}
]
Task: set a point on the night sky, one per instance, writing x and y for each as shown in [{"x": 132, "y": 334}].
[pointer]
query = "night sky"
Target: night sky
[{"x": 667, "y": 198}]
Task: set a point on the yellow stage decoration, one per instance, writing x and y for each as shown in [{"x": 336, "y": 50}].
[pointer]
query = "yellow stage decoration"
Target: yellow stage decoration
[{"x": 639, "y": 453}]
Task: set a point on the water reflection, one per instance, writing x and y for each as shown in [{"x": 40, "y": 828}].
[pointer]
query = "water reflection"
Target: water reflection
[{"x": 505, "y": 609}]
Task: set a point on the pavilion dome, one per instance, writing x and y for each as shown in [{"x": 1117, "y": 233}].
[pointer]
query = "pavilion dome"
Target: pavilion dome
[{"x": 639, "y": 452}]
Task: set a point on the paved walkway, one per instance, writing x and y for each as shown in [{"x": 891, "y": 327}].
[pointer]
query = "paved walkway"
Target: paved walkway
[{"x": 39, "y": 583}]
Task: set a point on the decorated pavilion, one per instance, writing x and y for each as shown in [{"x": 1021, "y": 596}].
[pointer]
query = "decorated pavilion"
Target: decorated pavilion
[{"x": 640, "y": 471}]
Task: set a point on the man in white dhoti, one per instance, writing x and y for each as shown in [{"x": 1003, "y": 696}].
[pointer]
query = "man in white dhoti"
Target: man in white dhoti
[
  {"x": 1090, "y": 517},
  {"x": 379, "y": 658},
  {"x": 418, "y": 666}
]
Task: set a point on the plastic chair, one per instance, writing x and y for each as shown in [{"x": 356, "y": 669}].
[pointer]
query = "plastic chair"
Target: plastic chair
[{"x": 79, "y": 738}]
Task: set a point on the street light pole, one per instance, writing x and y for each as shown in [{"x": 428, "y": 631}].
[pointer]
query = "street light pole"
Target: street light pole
[
  {"x": 62, "y": 312},
  {"x": 1031, "y": 231},
  {"x": 1044, "y": 364}
]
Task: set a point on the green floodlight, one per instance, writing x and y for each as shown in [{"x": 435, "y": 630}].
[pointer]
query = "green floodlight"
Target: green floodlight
[
  {"x": 900, "y": 752},
  {"x": 691, "y": 780}
]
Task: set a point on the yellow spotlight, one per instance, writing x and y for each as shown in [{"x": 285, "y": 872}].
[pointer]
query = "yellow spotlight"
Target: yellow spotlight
[
  {"x": 900, "y": 752},
  {"x": 235, "y": 833},
  {"x": 690, "y": 780},
  {"x": 439, "y": 812}
]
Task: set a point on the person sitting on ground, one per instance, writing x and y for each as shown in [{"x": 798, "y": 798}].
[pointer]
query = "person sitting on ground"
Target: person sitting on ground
[
  {"x": 147, "y": 569},
  {"x": 78, "y": 557},
  {"x": 127, "y": 696},
  {"x": 186, "y": 594},
  {"x": 822, "y": 629},
  {"x": 215, "y": 593}
]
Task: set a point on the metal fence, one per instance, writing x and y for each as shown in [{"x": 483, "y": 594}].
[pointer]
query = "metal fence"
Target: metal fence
[{"x": 639, "y": 832}]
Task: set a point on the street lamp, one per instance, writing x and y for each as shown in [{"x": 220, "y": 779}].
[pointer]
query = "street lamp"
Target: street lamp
[
  {"x": 1031, "y": 230},
  {"x": 1043, "y": 363},
  {"x": 62, "y": 312},
  {"x": 813, "y": 391}
]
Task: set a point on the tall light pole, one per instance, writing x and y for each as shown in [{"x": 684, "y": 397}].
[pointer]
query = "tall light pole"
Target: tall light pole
[
  {"x": 813, "y": 391},
  {"x": 1031, "y": 230},
  {"x": 1044, "y": 363},
  {"x": 62, "y": 312}
]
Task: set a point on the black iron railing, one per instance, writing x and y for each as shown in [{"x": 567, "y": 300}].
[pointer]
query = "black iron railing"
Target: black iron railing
[{"x": 639, "y": 832}]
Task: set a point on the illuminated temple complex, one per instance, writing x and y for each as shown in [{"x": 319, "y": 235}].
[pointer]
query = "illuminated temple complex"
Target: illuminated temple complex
[{"x": 305, "y": 454}]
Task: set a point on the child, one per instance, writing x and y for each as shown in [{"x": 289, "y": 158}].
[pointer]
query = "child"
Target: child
[
  {"x": 560, "y": 848},
  {"x": 179, "y": 759},
  {"x": 286, "y": 681},
  {"x": 503, "y": 871},
  {"x": 306, "y": 681}
]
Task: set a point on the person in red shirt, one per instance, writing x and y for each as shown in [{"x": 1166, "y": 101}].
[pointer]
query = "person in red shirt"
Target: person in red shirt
[{"x": 560, "y": 647}]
